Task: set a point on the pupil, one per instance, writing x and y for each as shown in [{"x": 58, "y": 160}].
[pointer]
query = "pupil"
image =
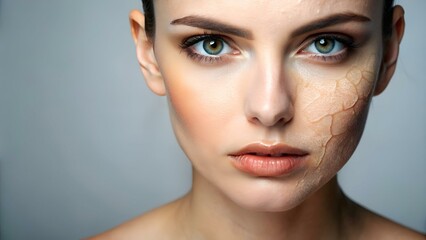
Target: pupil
[
  {"x": 324, "y": 45},
  {"x": 213, "y": 46}
]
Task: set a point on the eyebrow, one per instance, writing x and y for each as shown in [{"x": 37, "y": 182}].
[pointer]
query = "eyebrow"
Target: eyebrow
[
  {"x": 330, "y": 21},
  {"x": 209, "y": 24},
  {"x": 214, "y": 25}
]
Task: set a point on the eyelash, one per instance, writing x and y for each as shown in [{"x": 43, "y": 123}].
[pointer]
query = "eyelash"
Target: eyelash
[
  {"x": 187, "y": 45},
  {"x": 347, "y": 43}
]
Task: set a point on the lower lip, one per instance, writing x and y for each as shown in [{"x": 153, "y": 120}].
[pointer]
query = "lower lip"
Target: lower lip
[{"x": 266, "y": 166}]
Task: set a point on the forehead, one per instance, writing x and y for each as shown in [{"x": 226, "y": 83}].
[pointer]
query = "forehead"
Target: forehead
[{"x": 260, "y": 13}]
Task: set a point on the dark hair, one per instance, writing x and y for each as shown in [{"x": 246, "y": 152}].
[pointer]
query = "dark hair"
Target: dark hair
[
  {"x": 387, "y": 18},
  {"x": 148, "y": 8}
]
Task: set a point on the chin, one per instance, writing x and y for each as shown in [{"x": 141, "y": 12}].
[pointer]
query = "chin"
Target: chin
[
  {"x": 270, "y": 203},
  {"x": 273, "y": 195},
  {"x": 268, "y": 195}
]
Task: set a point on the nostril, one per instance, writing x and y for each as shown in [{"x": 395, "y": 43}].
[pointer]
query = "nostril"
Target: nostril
[
  {"x": 255, "y": 121},
  {"x": 282, "y": 120},
  {"x": 269, "y": 121}
]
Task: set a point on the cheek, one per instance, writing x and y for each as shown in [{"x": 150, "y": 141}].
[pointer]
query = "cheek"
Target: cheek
[
  {"x": 337, "y": 104},
  {"x": 336, "y": 110},
  {"x": 189, "y": 110},
  {"x": 199, "y": 106},
  {"x": 187, "y": 105}
]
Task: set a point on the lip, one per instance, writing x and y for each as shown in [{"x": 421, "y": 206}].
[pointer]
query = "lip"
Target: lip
[{"x": 263, "y": 160}]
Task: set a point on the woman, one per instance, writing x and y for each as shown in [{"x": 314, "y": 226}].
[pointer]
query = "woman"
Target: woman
[{"x": 268, "y": 99}]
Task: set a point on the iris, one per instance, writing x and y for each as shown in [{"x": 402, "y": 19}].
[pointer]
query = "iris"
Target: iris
[
  {"x": 213, "y": 46},
  {"x": 325, "y": 45}
]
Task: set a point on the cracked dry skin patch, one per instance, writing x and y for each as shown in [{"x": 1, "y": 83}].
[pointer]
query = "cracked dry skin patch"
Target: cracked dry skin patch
[
  {"x": 335, "y": 104},
  {"x": 335, "y": 107},
  {"x": 338, "y": 108}
]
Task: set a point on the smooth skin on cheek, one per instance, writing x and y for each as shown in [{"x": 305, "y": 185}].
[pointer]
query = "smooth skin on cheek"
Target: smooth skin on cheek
[{"x": 193, "y": 94}]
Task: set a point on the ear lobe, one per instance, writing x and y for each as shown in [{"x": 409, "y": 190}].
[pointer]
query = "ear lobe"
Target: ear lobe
[
  {"x": 145, "y": 54},
  {"x": 391, "y": 50}
]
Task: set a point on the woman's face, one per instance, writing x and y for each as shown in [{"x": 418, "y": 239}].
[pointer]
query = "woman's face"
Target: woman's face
[{"x": 268, "y": 99}]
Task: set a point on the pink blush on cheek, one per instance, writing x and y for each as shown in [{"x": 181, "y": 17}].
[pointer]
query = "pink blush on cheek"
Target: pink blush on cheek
[{"x": 196, "y": 117}]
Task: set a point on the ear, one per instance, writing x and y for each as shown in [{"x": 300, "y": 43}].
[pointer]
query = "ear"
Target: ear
[
  {"x": 145, "y": 54},
  {"x": 391, "y": 50}
]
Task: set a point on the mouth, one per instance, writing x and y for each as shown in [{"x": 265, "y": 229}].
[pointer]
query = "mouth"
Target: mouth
[
  {"x": 262, "y": 160},
  {"x": 268, "y": 154}
]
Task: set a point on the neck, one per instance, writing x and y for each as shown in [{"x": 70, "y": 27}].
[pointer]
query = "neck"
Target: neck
[{"x": 213, "y": 216}]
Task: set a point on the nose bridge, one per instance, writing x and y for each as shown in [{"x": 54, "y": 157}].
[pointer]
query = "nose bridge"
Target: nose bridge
[{"x": 267, "y": 101}]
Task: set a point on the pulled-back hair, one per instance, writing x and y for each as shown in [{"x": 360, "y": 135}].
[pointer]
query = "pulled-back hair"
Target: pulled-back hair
[{"x": 148, "y": 8}]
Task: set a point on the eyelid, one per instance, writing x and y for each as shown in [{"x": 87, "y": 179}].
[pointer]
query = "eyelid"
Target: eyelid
[
  {"x": 190, "y": 41},
  {"x": 347, "y": 41},
  {"x": 187, "y": 45}
]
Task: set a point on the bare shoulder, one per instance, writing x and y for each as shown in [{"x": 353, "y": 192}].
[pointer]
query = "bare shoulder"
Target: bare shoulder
[
  {"x": 379, "y": 227},
  {"x": 158, "y": 224}
]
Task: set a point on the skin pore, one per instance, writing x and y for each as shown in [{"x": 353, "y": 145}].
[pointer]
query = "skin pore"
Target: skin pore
[{"x": 268, "y": 73}]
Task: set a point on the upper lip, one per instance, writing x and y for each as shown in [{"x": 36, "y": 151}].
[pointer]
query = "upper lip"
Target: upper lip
[{"x": 273, "y": 150}]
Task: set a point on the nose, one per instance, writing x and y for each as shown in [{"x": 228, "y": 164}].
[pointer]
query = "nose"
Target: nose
[{"x": 268, "y": 101}]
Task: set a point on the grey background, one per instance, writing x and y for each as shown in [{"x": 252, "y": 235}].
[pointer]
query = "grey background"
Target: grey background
[{"x": 84, "y": 145}]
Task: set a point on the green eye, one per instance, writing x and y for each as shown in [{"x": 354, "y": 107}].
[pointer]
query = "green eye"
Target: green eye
[
  {"x": 213, "y": 46},
  {"x": 208, "y": 48},
  {"x": 325, "y": 45}
]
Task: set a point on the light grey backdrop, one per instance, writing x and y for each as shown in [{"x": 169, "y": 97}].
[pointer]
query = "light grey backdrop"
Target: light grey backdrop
[{"x": 84, "y": 145}]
